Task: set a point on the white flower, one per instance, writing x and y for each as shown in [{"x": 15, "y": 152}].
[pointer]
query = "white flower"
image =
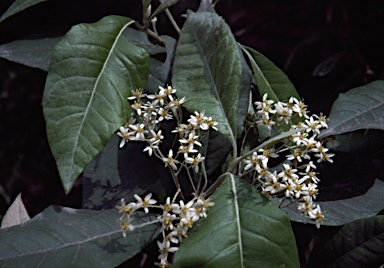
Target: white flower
[
  {"x": 251, "y": 163},
  {"x": 126, "y": 208},
  {"x": 146, "y": 202},
  {"x": 283, "y": 112},
  {"x": 164, "y": 249},
  {"x": 194, "y": 161},
  {"x": 170, "y": 161},
  {"x": 192, "y": 139},
  {"x": 125, "y": 135},
  {"x": 315, "y": 214}
]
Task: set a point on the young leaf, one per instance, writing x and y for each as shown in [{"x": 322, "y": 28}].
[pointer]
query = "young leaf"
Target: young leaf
[
  {"x": 269, "y": 78},
  {"x": 18, "y": 6},
  {"x": 32, "y": 53},
  {"x": 346, "y": 210},
  {"x": 359, "y": 108},
  {"x": 357, "y": 244},
  {"x": 66, "y": 237},
  {"x": 207, "y": 70},
  {"x": 243, "y": 229},
  {"x": 92, "y": 72},
  {"x": 16, "y": 214}
]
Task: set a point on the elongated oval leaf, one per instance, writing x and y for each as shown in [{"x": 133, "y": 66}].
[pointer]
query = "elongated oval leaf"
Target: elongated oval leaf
[
  {"x": 357, "y": 244},
  {"x": 18, "y": 6},
  {"x": 346, "y": 210},
  {"x": 92, "y": 71},
  {"x": 66, "y": 237},
  {"x": 32, "y": 53},
  {"x": 269, "y": 78},
  {"x": 359, "y": 108},
  {"x": 243, "y": 229},
  {"x": 207, "y": 70}
]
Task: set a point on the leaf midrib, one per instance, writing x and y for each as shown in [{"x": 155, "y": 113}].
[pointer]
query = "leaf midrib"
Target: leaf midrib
[
  {"x": 91, "y": 99},
  {"x": 236, "y": 204},
  {"x": 233, "y": 141}
]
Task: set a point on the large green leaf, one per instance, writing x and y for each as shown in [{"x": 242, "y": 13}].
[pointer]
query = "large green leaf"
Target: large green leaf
[
  {"x": 346, "y": 210},
  {"x": 32, "y": 53},
  {"x": 243, "y": 229},
  {"x": 359, "y": 108},
  {"x": 269, "y": 78},
  {"x": 207, "y": 70},
  {"x": 357, "y": 244},
  {"x": 66, "y": 237},
  {"x": 92, "y": 72},
  {"x": 18, "y": 6}
]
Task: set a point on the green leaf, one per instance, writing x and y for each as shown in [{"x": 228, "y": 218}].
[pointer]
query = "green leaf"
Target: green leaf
[
  {"x": 32, "y": 53},
  {"x": 346, "y": 210},
  {"x": 18, "y": 6},
  {"x": 66, "y": 237},
  {"x": 359, "y": 108},
  {"x": 269, "y": 78},
  {"x": 357, "y": 244},
  {"x": 92, "y": 72},
  {"x": 120, "y": 173},
  {"x": 207, "y": 70},
  {"x": 243, "y": 229}
]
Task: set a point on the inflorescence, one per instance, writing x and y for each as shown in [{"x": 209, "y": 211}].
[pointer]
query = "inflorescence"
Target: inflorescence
[{"x": 294, "y": 180}]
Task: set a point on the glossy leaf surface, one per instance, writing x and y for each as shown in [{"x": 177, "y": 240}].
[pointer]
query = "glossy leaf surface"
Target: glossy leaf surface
[
  {"x": 66, "y": 237},
  {"x": 92, "y": 72},
  {"x": 32, "y": 53},
  {"x": 240, "y": 228},
  {"x": 358, "y": 108},
  {"x": 207, "y": 70}
]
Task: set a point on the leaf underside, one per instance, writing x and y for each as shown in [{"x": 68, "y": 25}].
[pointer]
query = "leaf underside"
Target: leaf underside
[
  {"x": 344, "y": 211},
  {"x": 358, "y": 108},
  {"x": 66, "y": 237}
]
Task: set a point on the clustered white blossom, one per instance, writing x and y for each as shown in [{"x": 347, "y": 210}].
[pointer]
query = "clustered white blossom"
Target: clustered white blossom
[
  {"x": 176, "y": 219},
  {"x": 151, "y": 110},
  {"x": 296, "y": 179}
]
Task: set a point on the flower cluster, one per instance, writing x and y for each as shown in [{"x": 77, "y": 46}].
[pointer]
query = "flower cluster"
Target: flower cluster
[
  {"x": 151, "y": 110},
  {"x": 296, "y": 179},
  {"x": 176, "y": 219}
]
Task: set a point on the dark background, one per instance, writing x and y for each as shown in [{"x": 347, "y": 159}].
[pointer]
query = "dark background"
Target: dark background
[{"x": 325, "y": 48}]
